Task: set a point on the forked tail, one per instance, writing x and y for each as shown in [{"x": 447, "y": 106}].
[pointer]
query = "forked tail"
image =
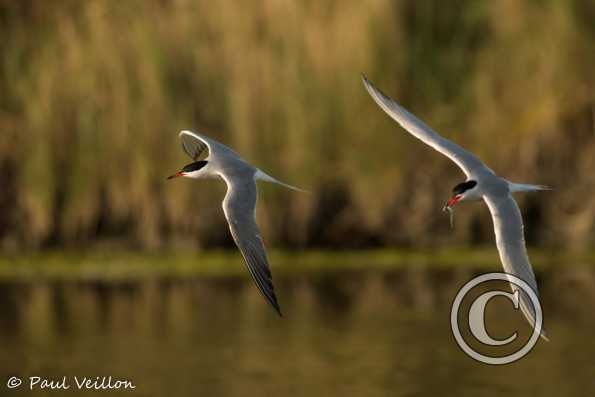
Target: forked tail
[
  {"x": 267, "y": 178},
  {"x": 522, "y": 187}
]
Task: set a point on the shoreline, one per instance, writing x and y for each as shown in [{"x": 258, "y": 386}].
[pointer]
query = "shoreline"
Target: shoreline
[{"x": 118, "y": 265}]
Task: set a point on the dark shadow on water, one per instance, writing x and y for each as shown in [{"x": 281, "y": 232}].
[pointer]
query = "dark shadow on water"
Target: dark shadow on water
[{"x": 13, "y": 295}]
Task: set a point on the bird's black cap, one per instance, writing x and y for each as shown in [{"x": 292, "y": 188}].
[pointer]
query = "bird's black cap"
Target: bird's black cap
[
  {"x": 463, "y": 187},
  {"x": 197, "y": 165}
]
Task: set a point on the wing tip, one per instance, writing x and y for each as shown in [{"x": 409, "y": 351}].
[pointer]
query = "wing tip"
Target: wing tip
[
  {"x": 543, "y": 335},
  {"x": 278, "y": 309},
  {"x": 272, "y": 299},
  {"x": 379, "y": 96},
  {"x": 367, "y": 83}
]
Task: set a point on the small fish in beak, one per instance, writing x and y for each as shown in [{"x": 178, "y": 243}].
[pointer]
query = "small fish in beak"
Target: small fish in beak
[
  {"x": 448, "y": 207},
  {"x": 451, "y": 212}
]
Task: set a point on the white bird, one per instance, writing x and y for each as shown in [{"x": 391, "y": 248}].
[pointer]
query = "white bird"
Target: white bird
[
  {"x": 481, "y": 183},
  {"x": 239, "y": 204}
]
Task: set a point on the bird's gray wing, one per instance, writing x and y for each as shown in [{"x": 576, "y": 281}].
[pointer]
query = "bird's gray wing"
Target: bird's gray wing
[
  {"x": 510, "y": 239},
  {"x": 194, "y": 144},
  {"x": 466, "y": 161},
  {"x": 239, "y": 206}
]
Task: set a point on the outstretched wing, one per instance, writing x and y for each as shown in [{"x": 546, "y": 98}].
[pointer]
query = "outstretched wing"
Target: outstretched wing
[
  {"x": 194, "y": 144},
  {"x": 466, "y": 161},
  {"x": 239, "y": 207},
  {"x": 508, "y": 228}
]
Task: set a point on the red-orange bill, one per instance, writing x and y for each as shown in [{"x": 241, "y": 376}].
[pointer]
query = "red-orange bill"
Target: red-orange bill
[
  {"x": 177, "y": 174},
  {"x": 453, "y": 200}
]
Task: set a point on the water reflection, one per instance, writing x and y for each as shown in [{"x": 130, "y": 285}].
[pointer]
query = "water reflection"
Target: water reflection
[{"x": 350, "y": 333}]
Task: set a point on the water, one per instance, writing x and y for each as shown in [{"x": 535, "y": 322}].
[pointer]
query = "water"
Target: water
[{"x": 355, "y": 333}]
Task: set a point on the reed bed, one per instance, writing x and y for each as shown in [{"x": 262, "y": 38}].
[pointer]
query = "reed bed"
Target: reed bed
[{"x": 93, "y": 94}]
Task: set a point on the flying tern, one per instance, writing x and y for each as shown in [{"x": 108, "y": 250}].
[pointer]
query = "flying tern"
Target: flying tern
[
  {"x": 239, "y": 204},
  {"x": 481, "y": 184}
]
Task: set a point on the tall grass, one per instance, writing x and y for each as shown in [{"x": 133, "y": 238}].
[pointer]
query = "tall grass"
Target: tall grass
[{"x": 94, "y": 92}]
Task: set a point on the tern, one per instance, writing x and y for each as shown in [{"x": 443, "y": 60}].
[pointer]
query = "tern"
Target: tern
[
  {"x": 481, "y": 184},
  {"x": 239, "y": 204}
]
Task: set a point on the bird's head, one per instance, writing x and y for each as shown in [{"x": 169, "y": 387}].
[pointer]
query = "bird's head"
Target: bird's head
[
  {"x": 193, "y": 170},
  {"x": 462, "y": 192}
]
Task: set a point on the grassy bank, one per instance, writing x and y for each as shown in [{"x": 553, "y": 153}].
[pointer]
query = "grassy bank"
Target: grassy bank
[{"x": 132, "y": 265}]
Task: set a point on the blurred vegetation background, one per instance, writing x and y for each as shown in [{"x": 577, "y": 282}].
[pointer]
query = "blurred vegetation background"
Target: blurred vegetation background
[{"x": 93, "y": 94}]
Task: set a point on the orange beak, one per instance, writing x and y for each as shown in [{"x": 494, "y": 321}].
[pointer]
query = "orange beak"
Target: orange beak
[
  {"x": 177, "y": 174},
  {"x": 454, "y": 200}
]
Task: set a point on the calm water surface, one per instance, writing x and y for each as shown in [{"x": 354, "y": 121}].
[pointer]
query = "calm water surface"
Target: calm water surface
[{"x": 352, "y": 333}]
